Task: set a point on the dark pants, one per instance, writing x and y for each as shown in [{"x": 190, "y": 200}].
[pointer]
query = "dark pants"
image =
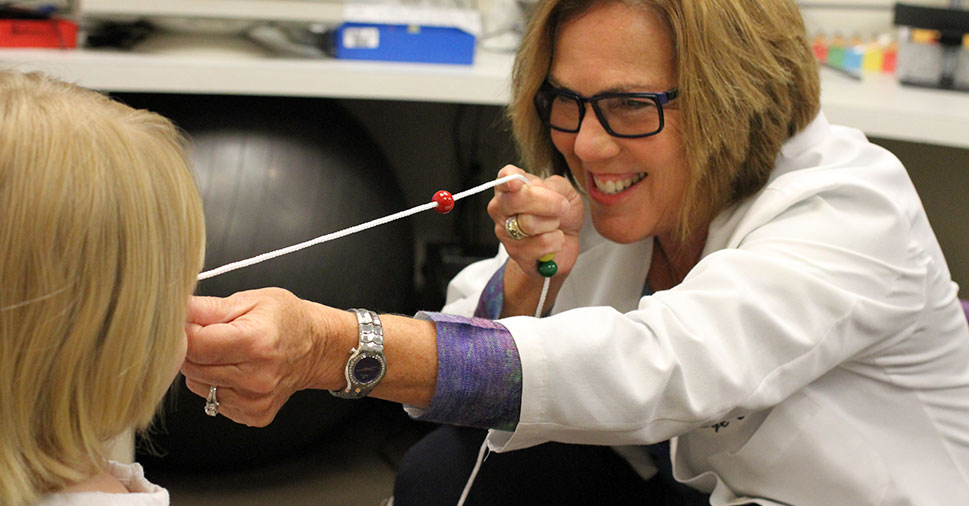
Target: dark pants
[{"x": 435, "y": 470}]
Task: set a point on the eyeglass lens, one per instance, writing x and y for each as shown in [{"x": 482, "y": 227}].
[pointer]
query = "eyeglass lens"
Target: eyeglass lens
[{"x": 623, "y": 115}]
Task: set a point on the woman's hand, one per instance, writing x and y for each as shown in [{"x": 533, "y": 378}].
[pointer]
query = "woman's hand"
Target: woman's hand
[
  {"x": 261, "y": 346},
  {"x": 550, "y": 212}
]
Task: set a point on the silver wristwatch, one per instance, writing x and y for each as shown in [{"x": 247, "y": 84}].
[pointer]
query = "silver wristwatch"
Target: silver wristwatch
[{"x": 367, "y": 364}]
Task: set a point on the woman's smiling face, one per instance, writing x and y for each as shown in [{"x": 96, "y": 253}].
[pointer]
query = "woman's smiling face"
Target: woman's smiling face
[{"x": 635, "y": 185}]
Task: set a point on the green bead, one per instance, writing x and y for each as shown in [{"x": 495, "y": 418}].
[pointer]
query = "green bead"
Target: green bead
[{"x": 548, "y": 269}]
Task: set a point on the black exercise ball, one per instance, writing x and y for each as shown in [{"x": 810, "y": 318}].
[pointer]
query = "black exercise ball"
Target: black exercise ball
[{"x": 275, "y": 172}]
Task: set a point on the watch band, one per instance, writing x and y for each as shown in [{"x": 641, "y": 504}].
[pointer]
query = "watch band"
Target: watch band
[{"x": 366, "y": 365}]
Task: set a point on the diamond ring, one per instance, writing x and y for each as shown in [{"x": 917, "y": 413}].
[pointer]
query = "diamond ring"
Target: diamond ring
[{"x": 212, "y": 403}]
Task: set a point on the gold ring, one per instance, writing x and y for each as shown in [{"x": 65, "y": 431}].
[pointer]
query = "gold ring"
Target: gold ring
[{"x": 513, "y": 229}]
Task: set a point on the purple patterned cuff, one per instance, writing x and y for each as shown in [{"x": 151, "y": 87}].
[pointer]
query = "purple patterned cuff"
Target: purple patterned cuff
[
  {"x": 479, "y": 378},
  {"x": 492, "y": 297}
]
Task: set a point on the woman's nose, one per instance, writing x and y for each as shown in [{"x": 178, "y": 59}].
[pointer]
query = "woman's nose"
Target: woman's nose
[{"x": 592, "y": 141}]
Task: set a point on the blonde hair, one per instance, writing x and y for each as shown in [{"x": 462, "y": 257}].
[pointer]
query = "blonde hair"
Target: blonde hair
[
  {"x": 747, "y": 79},
  {"x": 102, "y": 232}
]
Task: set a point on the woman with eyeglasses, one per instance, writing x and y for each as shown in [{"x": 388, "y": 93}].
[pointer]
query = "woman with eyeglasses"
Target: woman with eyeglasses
[{"x": 750, "y": 306}]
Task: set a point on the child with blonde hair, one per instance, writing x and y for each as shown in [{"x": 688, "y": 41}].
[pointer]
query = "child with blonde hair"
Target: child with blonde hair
[{"x": 102, "y": 237}]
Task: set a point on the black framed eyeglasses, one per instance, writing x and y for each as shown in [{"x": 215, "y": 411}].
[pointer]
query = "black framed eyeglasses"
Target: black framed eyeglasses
[{"x": 621, "y": 114}]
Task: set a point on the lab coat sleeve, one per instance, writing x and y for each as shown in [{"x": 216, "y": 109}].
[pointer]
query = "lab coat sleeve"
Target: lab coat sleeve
[
  {"x": 464, "y": 290},
  {"x": 807, "y": 283}
]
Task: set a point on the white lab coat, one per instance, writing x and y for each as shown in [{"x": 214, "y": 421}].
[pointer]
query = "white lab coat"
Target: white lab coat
[{"x": 816, "y": 355}]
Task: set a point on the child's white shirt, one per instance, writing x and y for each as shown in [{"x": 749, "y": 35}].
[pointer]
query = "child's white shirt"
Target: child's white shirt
[{"x": 141, "y": 491}]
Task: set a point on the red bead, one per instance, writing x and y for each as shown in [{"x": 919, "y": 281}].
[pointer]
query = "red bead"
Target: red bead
[{"x": 445, "y": 202}]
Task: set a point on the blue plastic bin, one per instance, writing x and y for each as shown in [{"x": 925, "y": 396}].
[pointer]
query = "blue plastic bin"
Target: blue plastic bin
[{"x": 404, "y": 43}]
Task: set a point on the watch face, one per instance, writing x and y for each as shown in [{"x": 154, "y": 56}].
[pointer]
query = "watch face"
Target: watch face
[{"x": 366, "y": 369}]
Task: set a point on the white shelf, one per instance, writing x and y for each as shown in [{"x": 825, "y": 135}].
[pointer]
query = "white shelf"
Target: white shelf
[
  {"x": 276, "y": 10},
  {"x": 486, "y": 82},
  {"x": 877, "y": 104}
]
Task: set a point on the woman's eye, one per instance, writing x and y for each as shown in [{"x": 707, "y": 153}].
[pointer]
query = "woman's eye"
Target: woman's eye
[
  {"x": 562, "y": 99},
  {"x": 634, "y": 103},
  {"x": 627, "y": 105}
]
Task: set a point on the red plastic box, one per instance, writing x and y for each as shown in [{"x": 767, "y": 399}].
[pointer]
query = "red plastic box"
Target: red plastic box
[{"x": 38, "y": 33}]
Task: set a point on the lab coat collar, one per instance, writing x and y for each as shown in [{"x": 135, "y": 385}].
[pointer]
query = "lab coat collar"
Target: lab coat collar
[
  {"x": 724, "y": 224},
  {"x": 807, "y": 138}
]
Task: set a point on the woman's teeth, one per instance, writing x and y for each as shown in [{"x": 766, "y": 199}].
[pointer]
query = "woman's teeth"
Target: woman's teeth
[{"x": 617, "y": 185}]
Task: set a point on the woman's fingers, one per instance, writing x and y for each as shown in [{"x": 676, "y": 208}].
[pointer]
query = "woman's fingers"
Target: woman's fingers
[
  {"x": 535, "y": 198},
  {"x": 223, "y": 330},
  {"x": 535, "y": 245},
  {"x": 209, "y": 310},
  {"x": 537, "y": 219},
  {"x": 224, "y": 375},
  {"x": 537, "y": 207},
  {"x": 254, "y": 344},
  {"x": 247, "y": 409},
  {"x": 572, "y": 214},
  {"x": 515, "y": 184},
  {"x": 537, "y": 224},
  {"x": 219, "y": 343}
]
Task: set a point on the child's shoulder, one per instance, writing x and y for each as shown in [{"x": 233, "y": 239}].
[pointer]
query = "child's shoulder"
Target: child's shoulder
[{"x": 141, "y": 492}]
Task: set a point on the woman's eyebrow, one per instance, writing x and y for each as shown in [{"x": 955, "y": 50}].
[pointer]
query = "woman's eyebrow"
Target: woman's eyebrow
[{"x": 622, "y": 88}]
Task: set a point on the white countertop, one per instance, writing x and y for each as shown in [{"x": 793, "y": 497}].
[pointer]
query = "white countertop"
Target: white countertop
[{"x": 881, "y": 107}]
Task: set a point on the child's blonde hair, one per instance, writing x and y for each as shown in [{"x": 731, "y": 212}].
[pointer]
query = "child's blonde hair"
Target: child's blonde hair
[{"x": 102, "y": 234}]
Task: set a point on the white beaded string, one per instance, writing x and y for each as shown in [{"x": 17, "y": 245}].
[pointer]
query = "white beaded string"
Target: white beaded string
[
  {"x": 541, "y": 299},
  {"x": 351, "y": 230},
  {"x": 483, "y": 451},
  {"x": 371, "y": 224}
]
